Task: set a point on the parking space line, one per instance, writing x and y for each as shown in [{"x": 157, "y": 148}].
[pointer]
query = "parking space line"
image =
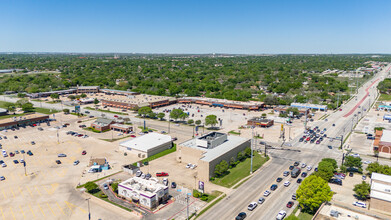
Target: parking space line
[
  {"x": 59, "y": 207},
  {"x": 69, "y": 205},
  {"x": 36, "y": 188},
  {"x": 48, "y": 191},
  {"x": 28, "y": 189},
  {"x": 20, "y": 190},
  {"x": 41, "y": 210},
  {"x": 50, "y": 208},
  {"x": 54, "y": 187},
  {"x": 32, "y": 210},
  {"x": 13, "y": 193},
  {"x": 5, "y": 197},
  {"x": 12, "y": 212},
  {"x": 2, "y": 213},
  {"x": 21, "y": 210}
]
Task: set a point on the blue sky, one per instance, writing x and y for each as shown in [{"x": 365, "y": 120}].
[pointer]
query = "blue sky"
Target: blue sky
[{"x": 196, "y": 26}]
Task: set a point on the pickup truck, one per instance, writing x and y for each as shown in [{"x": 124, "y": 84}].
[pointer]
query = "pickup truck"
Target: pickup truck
[{"x": 162, "y": 174}]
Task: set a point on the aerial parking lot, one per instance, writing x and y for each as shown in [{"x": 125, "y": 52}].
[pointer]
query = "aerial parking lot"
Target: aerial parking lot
[{"x": 45, "y": 189}]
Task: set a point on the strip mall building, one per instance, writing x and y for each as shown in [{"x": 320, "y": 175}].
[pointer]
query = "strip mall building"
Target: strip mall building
[{"x": 24, "y": 120}]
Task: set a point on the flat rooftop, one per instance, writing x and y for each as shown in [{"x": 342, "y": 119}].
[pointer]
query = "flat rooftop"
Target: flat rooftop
[
  {"x": 22, "y": 118},
  {"x": 146, "y": 142},
  {"x": 143, "y": 187},
  {"x": 225, "y": 101},
  {"x": 133, "y": 99},
  {"x": 210, "y": 154},
  {"x": 386, "y": 137}
]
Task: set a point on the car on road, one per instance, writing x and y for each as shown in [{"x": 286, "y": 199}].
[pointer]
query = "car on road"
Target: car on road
[
  {"x": 291, "y": 167},
  {"x": 286, "y": 173},
  {"x": 289, "y": 204},
  {"x": 76, "y": 162},
  {"x": 299, "y": 180},
  {"x": 304, "y": 174},
  {"x": 162, "y": 174},
  {"x": 252, "y": 206},
  {"x": 261, "y": 200},
  {"x": 360, "y": 204},
  {"x": 273, "y": 187},
  {"x": 287, "y": 183},
  {"x": 105, "y": 186},
  {"x": 266, "y": 193},
  {"x": 281, "y": 215},
  {"x": 62, "y": 155},
  {"x": 241, "y": 216},
  {"x": 58, "y": 162}
]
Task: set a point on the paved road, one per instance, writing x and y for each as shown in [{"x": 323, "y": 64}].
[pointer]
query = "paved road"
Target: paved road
[{"x": 311, "y": 154}]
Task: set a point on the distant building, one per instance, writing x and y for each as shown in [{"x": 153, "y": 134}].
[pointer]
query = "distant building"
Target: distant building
[
  {"x": 209, "y": 150},
  {"x": 87, "y": 89},
  {"x": 3, "y": 111},
  {"x": 21, "y": 121},
  {"x": 147, "y": 145},
  {"x": 148, "y": 193},
  {"x": 102, "y": 124},
  {"x": 126, "y": 129},
  {"x": 310, "y": 106},
  {"x": 260, "y": 122},
  {"x": 383, "y": 141},
  {"x": 380, "y": 192}
]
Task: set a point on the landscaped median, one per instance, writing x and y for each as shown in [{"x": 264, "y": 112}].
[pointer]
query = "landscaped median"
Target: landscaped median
[
  {"x": 240, "y": 171},
  {"x": 108, "y": 111}
]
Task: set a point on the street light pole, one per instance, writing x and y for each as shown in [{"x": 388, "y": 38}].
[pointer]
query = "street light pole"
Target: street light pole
[
  {"x": 187, "y": 207},
  {"x": 252, "y": 143},
  {"x": 89, "y": 212}
]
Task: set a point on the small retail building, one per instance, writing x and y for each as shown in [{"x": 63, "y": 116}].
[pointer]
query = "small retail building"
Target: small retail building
[
  {"x": 21, "y": 121},
  {"x": 3, "y": 111},
  {"x": 102, "y": 124},
  {"x": 147, "y": 193},
  {"x": 209, "y": 150},
  {"x": 126, "y": 129},
  {"x": 382, "y": 141},
  {"x": 260, "y": 122},
  {"x": 380, "y": 192},
  {"x": 147, "y": 145}
]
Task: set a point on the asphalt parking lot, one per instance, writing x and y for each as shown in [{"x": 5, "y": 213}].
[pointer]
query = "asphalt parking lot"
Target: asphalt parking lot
[{"x": 47, "y": 190}]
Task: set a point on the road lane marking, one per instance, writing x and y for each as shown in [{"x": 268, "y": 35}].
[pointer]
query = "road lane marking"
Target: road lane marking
[
  {"x": 31, "y": 210},
  {"x": 41, "y": 210},
  {"x": 21, "y": 210},
  {"x": 2, "y": 213},
  {"x": 12, "y": 212},
  {"x": 36, "y": 188},
  {"x": 50, "y": 208},
  {"x": 59, "y": 207}
]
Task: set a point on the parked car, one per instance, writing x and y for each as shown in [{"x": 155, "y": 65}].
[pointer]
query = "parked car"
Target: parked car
[
  {"x": 296, "y": 164},
  {"x": 252, "y": 206},
  {"x": 336, "y": 181},
  {"x": 286, "y": 173},
  {"x": 16, "y": 161},
  {"x": 304, "y": 174},
  {"x": 289, "y": 204},
  {"x": 83, "y": 152},
  {"x": 61, "y": 155},
  {"x": 266, "y": 193},
  {"x": 360, "y": 204},
  {"x": 12, "y": 154},
  {"x": 162, "y": 174},
  {"x": 261, "y": 200},
  {"x": 279, "y": 179},
  {"x": 281, "y": 215},
  {"x": 58, "y": 162},
  {"x": 148, "y": 176},
  {"x": 105, "y": 186},
  {"x": 273, "y": 187},
  {"x": 287, "y": 183},
  {"x": 364, "y": 177},
  {"x": 165, "y": 181},
  {"x": 76, "y": 162},
  {"x": 32, "y": 142},
  {"x": 309, "y": 168},
  {"x": 303, "y": 165},
  {"x": 138, "y": 173},
  {"x": 30, "y": 153},
  {"x": 294, "y": 196},
  {"x": 299, "y": 180},
  {"x": 188, "y": 165},
  {"x": 2, "y": 178},
  {"x": 291, "y": 167},
  {"x": 351, "y": 174}
]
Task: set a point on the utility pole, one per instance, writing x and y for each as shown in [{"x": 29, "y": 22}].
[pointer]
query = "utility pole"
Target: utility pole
[
  {"x": 265, "y": 150},
  {"x": 24, "y": 164},
  {"x": 187, "y": 207},
  {"x": 337, "y": 101},
  {"x": 89, "y": 212},
  {"x": 169, "y": 119},
  {"x": 252, "y": 143}
]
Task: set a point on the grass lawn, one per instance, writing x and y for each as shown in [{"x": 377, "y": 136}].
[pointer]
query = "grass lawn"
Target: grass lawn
[
  {"x": 101, "y": 110},
  {"x": 36, "y": 109},
  {"x": 161, "y": 154},
  {"x": 241, "y": 171},
  {"x": 305, "y": 216},
  {"x": 233, "y": 132},
  {"x": 384, "y": 97}
]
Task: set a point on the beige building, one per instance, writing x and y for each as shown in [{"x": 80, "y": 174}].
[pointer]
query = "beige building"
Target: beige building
[
  {"x": 209, "y": 150},
  {"x": 380, "y": 192},
  {"x": 146, "y": 145}
]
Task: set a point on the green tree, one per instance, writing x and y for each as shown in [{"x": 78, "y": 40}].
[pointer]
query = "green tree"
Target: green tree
[
  {"x": 198, "y": 122},
  {"x": 325, "y": 170},
  {"x": 71, "y": 97},
  {"x": 183, "y": 116},
  {"x": 161, "y": 115},
  {"x": 96, "y": 101},
  {"x": 21, "y": 102},
  {"x": 10, "y": 106},
  {"x": 65, "y": 110},
  {"x": 90, "y": 186},
  {"x": 264, "y": 115},
  {"x": 247, "y": 152},
  {"x": 152, "y": 115},
  {"x": 211, "y": 120},
  {"x": 54, "y": 96},
  {"x": 312, "y": 192},
  {"x": 351, "y": 162},
  {"x": 83, "y": 95},
  {"x": 221, "y": 168},
  {"x": 332, "y": 161},
  {"x": 362, "y": 190},
  {"x": 271, "y": 100},
  {"x": 176, "y": 113},
  {"x": 27, "y": 107},
  {"x": 144, "y": 111},
  {"x": 190, "y": 121},
  {"x": 114, "y": 186},
  {"x": 21, "y": 95}
]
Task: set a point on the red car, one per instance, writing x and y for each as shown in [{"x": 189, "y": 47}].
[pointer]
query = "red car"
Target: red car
[
  {"x": 162, "y": 174},
  {"x": 12, "y": 154},
  {"x": 308, "y": 139},
  {"x": 84, "y": 152},
  {"x": 289, "y": 204},
  {"x": 34, "y": 125},
  {"x": 116, "y": 116},
  {"x": 133, "y": 136}
]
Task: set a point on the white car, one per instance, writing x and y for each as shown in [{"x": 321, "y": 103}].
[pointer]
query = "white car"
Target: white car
[
  {"x": 119, "y": 134},
  {"x": 303, "y": 165},
  {"x": 266, "y": 193},
  {"x": 360, "y": 204},
  {"x": 356, "y": 155},
  {"x": 252, "y": 206},
  {"x": 367, "y": 162},
  {"x": 281, "y": 215},
  {"x": 193, "y": 166},
  {"x": 188, "y": 165},
  {"x": 4, "y": 165},
  {"x": 309, "y": 168},
  {"x": 287, "y": 183}
]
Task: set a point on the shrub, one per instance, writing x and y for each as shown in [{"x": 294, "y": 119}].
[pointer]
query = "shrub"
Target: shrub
[{"x": 204, "y": 198}]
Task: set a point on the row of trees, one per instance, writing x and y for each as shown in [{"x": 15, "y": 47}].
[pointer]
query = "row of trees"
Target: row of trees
[
  {"x": 24, "y": 104},
  {"x": 221, "y": 168}
]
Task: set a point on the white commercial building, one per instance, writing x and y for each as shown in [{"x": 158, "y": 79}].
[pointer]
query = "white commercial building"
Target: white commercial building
[
  {"x": 381, "y": 192},
  {"x": 148, "y": 193},
  {"x": 147, "y": 145}
]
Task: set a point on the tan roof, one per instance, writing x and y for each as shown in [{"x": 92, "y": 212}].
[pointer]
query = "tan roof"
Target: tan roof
[
  {"x": 99, "y": 161},
  {"x": 21, "y": 118}
]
